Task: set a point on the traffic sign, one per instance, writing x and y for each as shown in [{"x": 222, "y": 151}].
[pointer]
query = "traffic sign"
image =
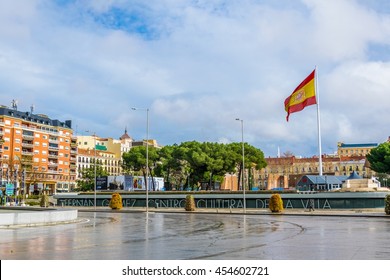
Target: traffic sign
[{"x": 9, "y": 189}]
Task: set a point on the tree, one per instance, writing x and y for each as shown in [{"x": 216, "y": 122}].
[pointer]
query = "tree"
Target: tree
[
  {"x": 193, "y": 163},
  {"x": 87, "y": 181},
  {"x": 379, "y": 158},
  {"x": 135, "y": 161}
]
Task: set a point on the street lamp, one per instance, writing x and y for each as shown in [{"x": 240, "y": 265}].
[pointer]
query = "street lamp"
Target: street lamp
[
  {"x": 147, "y": 154},
  {"x": 94, "y": 169},
  {"x": 243, "y": 161}
]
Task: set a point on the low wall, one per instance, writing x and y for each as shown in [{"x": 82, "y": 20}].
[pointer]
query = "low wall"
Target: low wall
[
  {"x": 26, "y": 217},
  {"x": 346, "y": 200}
]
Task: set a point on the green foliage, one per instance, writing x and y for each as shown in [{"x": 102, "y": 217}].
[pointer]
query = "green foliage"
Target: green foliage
[
  {"x": 387, "y": 204},
  {"x": 190, "y": 203},
  {"x": 116, "y": 201},
  {"x": 192, "y": 163},
  {"x": 44, "y": 202},
  {"x": 87, "y": 183},
  {"x": 379, "y": 158},
  {"x": 276, "y": 203}
]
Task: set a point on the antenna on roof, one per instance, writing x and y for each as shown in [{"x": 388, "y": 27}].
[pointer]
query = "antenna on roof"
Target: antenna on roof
[
  {"x": 14, "y": 104},
  {"x": 32, "y": 107}
]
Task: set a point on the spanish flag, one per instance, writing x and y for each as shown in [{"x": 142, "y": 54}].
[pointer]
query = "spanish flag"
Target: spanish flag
[{"x": 304, "y": 95}]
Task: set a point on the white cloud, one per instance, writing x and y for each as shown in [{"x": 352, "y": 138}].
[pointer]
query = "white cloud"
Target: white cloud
[{"x": 198, "y": 65}]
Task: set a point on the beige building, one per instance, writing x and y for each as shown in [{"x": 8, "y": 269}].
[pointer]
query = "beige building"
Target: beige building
[
  {"x": 109, "y": 151},
  {"x": 347, "y": 150},
  {"x": 285, "y": 172},
  {"x": 86, "y": 159}
]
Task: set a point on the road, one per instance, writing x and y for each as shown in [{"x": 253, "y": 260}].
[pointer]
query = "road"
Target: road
[{"x": 170, "y": 236}]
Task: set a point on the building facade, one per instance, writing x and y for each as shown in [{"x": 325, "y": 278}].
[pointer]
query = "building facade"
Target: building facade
[
  {"x": 347, "y": 150},
  {"x": 285, "y": 172},
  {"x": 37, "y": 153}
]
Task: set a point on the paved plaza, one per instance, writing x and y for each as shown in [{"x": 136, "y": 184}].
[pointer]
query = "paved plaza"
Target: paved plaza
[{"x": 189, "y": 236}]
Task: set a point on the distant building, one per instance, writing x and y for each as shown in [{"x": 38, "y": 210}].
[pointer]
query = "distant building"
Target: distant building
[
  {"x": 348, "y": 150},
  {"x": 109, "y": 152},
  {"x": 286, "y": 172}
]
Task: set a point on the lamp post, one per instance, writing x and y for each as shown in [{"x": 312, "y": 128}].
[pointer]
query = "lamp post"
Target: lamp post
[
  {"x": 94, "y": 169},
  {"x": 243, "y": 161},
  {"x": 147, "y": 154}
]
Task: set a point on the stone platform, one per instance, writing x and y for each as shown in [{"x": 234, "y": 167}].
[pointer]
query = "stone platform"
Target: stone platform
[{"x": 33, "y": 216}]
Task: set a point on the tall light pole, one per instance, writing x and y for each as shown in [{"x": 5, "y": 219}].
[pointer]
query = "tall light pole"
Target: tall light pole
[
  {"x": 147, "y": 154},
  {"x": 243, "y": 161},
  {"x": 94, "y": 169}
]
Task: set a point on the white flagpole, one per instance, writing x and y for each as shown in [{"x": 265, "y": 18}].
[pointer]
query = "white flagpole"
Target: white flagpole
[{"x": 318, "y": 122}]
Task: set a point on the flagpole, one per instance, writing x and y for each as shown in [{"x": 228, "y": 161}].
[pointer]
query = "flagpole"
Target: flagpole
[{"x": 318, "y": 123}]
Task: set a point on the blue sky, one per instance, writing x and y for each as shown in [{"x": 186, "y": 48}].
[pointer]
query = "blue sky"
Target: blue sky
[{"x": 198, "y": 65}]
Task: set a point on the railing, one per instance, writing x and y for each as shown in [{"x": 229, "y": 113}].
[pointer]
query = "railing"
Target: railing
[{"x": 27, "y": 145}]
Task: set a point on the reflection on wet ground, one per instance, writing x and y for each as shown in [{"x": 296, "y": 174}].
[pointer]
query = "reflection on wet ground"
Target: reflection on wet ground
[{"x": 121, "y": 236}]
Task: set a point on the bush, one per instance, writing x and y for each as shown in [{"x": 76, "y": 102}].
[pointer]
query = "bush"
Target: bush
[
  {"x": 116, "y": 201},
  {"x": 387, "y": 204},
  {"x": 44, "y": 202},
  {"x": 276, "y": 203},
  {"x": 190, "y": 203}
]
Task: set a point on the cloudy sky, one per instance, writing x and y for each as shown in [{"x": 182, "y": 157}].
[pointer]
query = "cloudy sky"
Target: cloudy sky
[{"x": 200, "y": 64}]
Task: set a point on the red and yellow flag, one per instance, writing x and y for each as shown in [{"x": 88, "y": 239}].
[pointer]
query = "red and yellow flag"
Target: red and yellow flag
[{"x": 304, "y": 95}]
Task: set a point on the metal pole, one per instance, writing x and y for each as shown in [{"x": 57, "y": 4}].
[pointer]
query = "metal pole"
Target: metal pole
[
  {"x": 94, "y": 170},
  {"x": 94, "y": 182},
  {"x": 147, "y": 156},
  {"x": 147, "y": 159},
  {"x": 243, "y": 162}
]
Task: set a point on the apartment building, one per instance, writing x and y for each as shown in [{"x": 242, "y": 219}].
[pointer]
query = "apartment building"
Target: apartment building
[
  {"x": 104, "y": 159},
  {"x": 37, "y": 153},
  {"x": 109, "y": 151}
]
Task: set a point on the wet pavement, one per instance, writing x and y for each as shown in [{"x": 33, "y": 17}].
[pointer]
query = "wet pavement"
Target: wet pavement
[{"x": 136, "y": 235}]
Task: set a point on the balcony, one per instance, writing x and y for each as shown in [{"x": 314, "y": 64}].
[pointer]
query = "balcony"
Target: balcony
[
  {"x": 27, "y": 145},
  {"x": 27, "y": 153},
  {"x": 26, "y": 136}
]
